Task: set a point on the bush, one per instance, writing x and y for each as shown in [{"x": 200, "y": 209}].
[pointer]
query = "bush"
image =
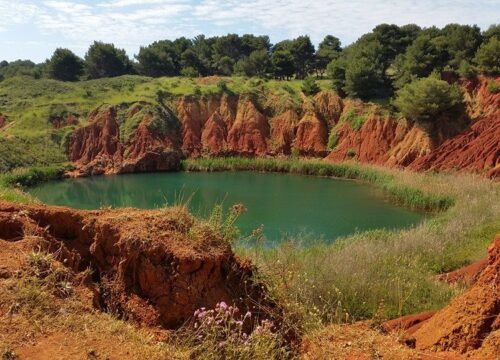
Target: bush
[
  {"x": 466, "y": 70},
  {"x": 493, "y": 87},
  {"x": 309, "y": 86},
  {"x": 426, "y": 100},
  {"x": 488, "y": 57}
]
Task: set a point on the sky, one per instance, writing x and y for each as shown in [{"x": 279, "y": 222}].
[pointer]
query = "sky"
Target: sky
[{"x": 34, "y": 29}]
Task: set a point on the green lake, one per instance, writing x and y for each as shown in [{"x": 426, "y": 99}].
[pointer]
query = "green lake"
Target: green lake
[{"x": 285, "y": 205}]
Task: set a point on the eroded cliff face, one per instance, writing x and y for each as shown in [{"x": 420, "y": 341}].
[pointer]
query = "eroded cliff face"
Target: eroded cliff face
[
  {"x": 98, "y": 148},
  {"x": 389, "y": 141},
  {"x": 149, "y": 138},
  {"x": 477, "y": 148},
  {"x": 153, "y": 267}
]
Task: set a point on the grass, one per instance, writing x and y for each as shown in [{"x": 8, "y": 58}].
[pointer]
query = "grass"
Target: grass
[
  {"x": 377, "y": 274},
  {"x": 12, "y": 183}
]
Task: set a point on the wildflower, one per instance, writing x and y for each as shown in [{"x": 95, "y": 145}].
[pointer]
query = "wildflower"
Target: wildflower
[
  {"x": 222, "y": 305},
  {"x": 247, "y": 315},
  {"x": 239, "y": 323}
]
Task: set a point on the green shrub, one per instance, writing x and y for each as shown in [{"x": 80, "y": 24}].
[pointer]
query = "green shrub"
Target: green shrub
[
  {"x": 493, "y": 87},
  {"x": 333, "y": 140},
  {"x": 426, "y": 100},
  {"x": 488, "y": 56},
  {"x": 309, "y": 86}
]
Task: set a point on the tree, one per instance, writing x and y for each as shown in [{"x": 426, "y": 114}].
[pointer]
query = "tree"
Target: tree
[
  {"x": 159, "y": 59},
  {"x": 488, "y": 57},
  {"x": 302, "y": 51},
  {"x": 65, "y": 65},
  {"x": 105, "y": 60},
  {"x": 257, "y": 64},
  {"x": 283, "y": 64},
  {"x": 492, "y": 31},
  {"x": 329, "y": 49},
  {"x": 364, "y": 71},
  {"x": 421, "y": 58},
  {"x": 309, "y": 86},
  {"x": 460, "y": 42},
  {"x": 336, "y": 71},
  {"x": 427, "y": 100}
]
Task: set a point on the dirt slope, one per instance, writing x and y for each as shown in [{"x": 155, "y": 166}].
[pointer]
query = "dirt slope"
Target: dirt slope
[
  {"x": 471, "y": 322},
  {"x": 154, "y": 267}
]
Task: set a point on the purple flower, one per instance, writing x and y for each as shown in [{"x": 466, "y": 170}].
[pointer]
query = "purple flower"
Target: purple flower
[
  {"x": 222, "y": 305},
  {"x": 240, "y": 323}
]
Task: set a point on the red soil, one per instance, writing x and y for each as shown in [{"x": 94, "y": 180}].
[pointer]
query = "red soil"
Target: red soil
[
  {"x": 283, "y": 131},
  {"x": 153, "y": 267},
  {"x": 97, "y": 149},
  {"x": 471, "y": 322},
  {"x": 467, "y": 274},
  {"x": 312, "y": 132},
  {"x": 250, "y": 131},
  {"x": 409, "y": 324}
]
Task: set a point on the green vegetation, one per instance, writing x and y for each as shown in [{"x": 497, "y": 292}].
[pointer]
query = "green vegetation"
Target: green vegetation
[
  {"x": 488, "y": 56},
  {"x": 493, "y": 87},
  {"x": 309, "y": 86},
  {"x": 105, "y": 60},
  {"x": 65, "y": 65},
  {"x": 428, "y": 100},
  {"x": 354, "y": 119}
]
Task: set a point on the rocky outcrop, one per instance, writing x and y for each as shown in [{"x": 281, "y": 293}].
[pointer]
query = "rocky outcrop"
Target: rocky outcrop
[
  {"x": 154, "y": 267},
  {"x": 250, "y": 131},
  {"x": 328, "y": 106},
  {"x": 471, "y": 322},
  {"x": 214, "y": 135},
  {"x": 98, "y": 149},
  {"x": 312, "y": 135},
  {"x": 283, "y": 132},
  {"x": 193, "y": 113}
]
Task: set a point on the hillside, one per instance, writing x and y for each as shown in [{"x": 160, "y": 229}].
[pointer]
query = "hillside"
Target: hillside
[{"x": 134, "y": 123}]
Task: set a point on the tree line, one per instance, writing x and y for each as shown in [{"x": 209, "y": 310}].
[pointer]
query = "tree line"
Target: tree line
[{"x": 375, "y": 66}]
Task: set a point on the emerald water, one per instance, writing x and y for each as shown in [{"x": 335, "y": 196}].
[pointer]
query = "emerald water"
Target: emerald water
[{"x": 283, "y": 204}]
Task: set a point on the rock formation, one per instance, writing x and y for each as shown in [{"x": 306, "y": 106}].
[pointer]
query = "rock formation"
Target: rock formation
[
  {"x": 98, "y": 149},
  {"x": 325, "y": 125}
]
